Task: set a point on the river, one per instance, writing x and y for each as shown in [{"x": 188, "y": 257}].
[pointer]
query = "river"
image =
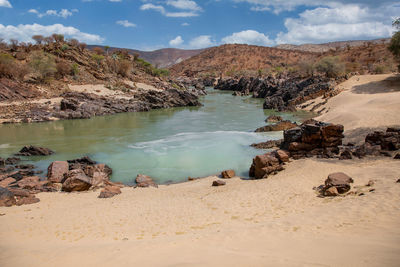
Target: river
[{"x": 169, "y": 144}]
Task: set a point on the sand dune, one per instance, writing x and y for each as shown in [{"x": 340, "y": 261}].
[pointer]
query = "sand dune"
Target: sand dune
[{"x": 278, "y": 221}]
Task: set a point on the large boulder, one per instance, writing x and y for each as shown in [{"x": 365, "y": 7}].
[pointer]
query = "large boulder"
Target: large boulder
[
  {"x": 340, "y": 181},
  {"x": 144, "y": 181},
  {"x": 7, "y": 198},
  {"x": 34, "y": 151},
  {"x": 76, "y": 180},
  {"x": 57, "y": 170},
  {"x": 389, "y": 140},
  {"x": 280, "y": 126}
]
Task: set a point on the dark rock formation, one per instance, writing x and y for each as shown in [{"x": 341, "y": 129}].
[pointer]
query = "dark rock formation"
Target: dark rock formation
[
  {"x": 268, "y": 145},
  {"x": 313, "y": 138},
  {"x": 7, "y": 198},
  {"x": 34, "y": 151},
  {"x": 280, "y": 93},
  {"x": 228, "y": 174},
  {"x": 280, "y": 126},
  {"x": 76, "y": 180}
]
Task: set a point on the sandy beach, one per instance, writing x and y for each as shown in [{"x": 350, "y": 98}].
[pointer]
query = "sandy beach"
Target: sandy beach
[{"x": 279, "y": 221}]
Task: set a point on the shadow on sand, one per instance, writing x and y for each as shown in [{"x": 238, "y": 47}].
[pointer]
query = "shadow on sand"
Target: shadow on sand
[{"x": 389, "y": 85}]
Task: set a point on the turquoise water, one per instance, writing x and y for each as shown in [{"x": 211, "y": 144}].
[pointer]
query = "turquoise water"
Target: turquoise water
[{"x": 169, "y": 145}]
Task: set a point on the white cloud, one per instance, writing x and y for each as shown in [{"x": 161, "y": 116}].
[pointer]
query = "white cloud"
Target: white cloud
[
  {"x": 201, "y": 41},
  {"x": 5, "y": 3},
  {"x": 63, "y": 13},
  {"x": 185, "y": 24},
  {"x": 344, "y": 22},
  {"x": 190, "y": 8},
  {"x": 176, "y": 42},
  {"x": 250, "y": 37},
  {"x": 184, "y": 4},
  {"x": 126, "y": 23},
  {"x": 24, "y": 32}
]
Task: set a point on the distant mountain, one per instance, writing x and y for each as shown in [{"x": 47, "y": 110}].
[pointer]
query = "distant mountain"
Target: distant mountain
[
  {"x": 238, "y": 59},
  {"x": 162, "y": 58},
  {"x": 321, "y": 48}
]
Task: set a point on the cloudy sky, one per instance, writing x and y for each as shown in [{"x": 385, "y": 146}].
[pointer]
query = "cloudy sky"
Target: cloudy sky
[{"x": 190, "y": 24}]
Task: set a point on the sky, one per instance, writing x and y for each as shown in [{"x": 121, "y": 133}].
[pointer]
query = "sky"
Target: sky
[{"x": 192, "y": 24}]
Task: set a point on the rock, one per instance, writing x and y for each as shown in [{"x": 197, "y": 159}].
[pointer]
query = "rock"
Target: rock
[
  {"x": 218, "y": 183},
  {"x": 273, "y": 118},
  {"x": 339, "y": 180},
  {"x": 80, "y": 163},
  {"x": 7, "y": 181},
  {"x": 57, "y": 170},
  {"x": 31, "y": 183},
  {"x": 331, "y": 192},
  {"x": 370, "y": 183},
  {"x": 280, "y": 126},
  {"x": 25, "y": 166},
  {"x": 34, "y": 151},
  {"x": 268, "y": 145},
  {"x": 398, "y": 181},
  {"x": 397, "y": 156},
  {"x": 76, "y": 180},
  {"x": 2, "y": 162},
  {"x": 7, "y": 198},
  {"x": 389, "y": 140},
  {"x": 144, "y": 181},
  {"x": 263, "y": 165},
  {"x": 228, "y": 174},
  {"x": 12, "y": 161},
  {"x": 18, "y": 192},
  {"x": 282, "y": 156},
  {"x": 110, "y": 191},
  {"x": 27, "y": 200},
  {"x": 345, "y": 155}
]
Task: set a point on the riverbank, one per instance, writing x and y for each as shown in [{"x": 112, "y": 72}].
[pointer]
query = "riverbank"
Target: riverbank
[{"x": 278, "y": 221}]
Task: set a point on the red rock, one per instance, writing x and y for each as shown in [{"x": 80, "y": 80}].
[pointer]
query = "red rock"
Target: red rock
[
  {"x": 218, "y": 183},
  {"x": 263, "y": 165},
  {"x": 282, "y": 155},
  {"x": 280, "y": 126},
  {"x": 31, "y": 183},
  {"x": 110, "y": 191},
  {"x": 5, "y": 182},
  {"x": 331, "y": 192},
  {"x": 228, "y": 174},
  {"x": 18, "y": 192},
  {"x": 56, "y": 171},
  {"x": 339, "y": 180},
  {"x": 144, "y": 181},
  {"x": 76, "y": 180}
]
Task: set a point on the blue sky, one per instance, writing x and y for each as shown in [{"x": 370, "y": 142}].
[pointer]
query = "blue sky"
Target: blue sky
[{"x": 190, "y": 24}]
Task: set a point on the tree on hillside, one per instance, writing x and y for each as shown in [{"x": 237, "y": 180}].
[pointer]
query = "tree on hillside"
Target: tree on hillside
[
  {"x": 394, "y": 46},
  {"x": 331, "y": 66},
  {"x": 38, "y": 39}
]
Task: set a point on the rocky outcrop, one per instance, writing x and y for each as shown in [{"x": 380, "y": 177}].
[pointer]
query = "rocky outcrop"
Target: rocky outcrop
[
  {"x": 280, "y": 126},
  {"x": 281, "y": 93},
  {"x": 267, "y": 164},
  {"x": 268, "y": 145},
  {"x": 274, "y": 118},
  {"x": 313, "y": 138},
  {"x": 7, "y": 198},
  {"x": 144, "y": 181},
  {"x": 228, "y": 174}
]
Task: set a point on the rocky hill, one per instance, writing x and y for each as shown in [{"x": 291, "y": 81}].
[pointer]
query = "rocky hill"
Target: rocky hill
[
  {"x": 59, "y": 79},
  {"x": 162, "y": 58},
  {"x": 237, "y": 59},
  {"x": 320, "y": 48},
  {"x": 251, "y": 61}
]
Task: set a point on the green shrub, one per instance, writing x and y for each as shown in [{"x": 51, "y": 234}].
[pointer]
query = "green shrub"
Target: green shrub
[
  {"x": 97, "y": 58},
  {"x": 64, "y": 47},
  {"x": 331, "y": 66},
  {"x": 43, "y": 64},
  {"x": 74, "y": 69}
]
